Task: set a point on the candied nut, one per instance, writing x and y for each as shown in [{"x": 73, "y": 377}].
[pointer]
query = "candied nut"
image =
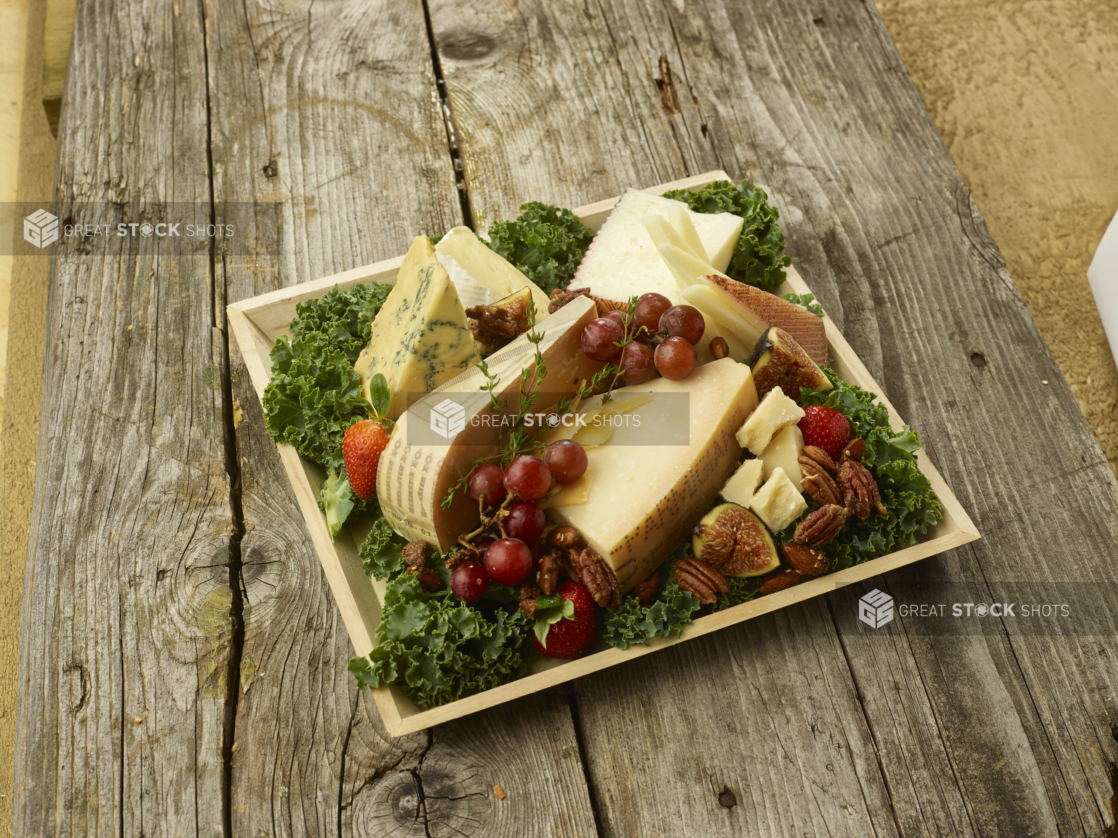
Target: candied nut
[
  {"x": 719, "y": 348},
  {"x": 854, "y": 450},
  {"x": 564, "y": 537},
  {"x": 859, "y": 490},
  {"x": 822, "y": 525},
  {"x": 599, "y": 579},
  {"x": 560, "y": 298},
  {"x": 700, "y": 579},
  {"x": 814, "y": 460},
  {"x": 782, "y": 580},
  {"x": 496, "y": 324},
  {"x": 822, "y": 488},
  {"x": 529, "y": 593},
  {"x": 548, "y": 575},
  {"x": 458, "y": 556},
  {"x": 429, "y": 580},
  {"x": 415, "y": 555},
  {"x": 805, "y": 560},
  {"x": 646, "y": 590}
]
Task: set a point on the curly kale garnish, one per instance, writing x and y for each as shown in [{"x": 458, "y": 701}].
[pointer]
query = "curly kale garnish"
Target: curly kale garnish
[{"x": 546, "y": 243}]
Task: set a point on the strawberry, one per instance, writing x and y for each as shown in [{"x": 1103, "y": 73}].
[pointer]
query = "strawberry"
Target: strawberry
[
  {"x": 567, "y": 630},
  {"x": 826, "y": 428},
  {"x": 362, "y": 446}
]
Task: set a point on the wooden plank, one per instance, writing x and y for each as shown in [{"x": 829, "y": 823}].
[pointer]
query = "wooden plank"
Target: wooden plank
[
  {"x": 126, "y": 623},
  {"x": 332, "y": 113},
  {"x": 817, "y": 107}
]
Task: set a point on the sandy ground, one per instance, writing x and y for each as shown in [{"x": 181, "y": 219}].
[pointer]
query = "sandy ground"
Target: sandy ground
[{"x": 1025, "y": 96}]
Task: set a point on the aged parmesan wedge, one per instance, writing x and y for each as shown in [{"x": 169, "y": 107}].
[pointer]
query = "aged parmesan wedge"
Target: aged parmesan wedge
[
  {"x": 594, "y": 425},
  {"x": 623, "y": 261},
  {"x": 420, "y": 337},
  {"x": 784, "y": 453},
  {"x": 739, "y": 489},
  {"x": 483, "y": 265},
  {"x": 775, "y": 413},
  {"x": 419, "y": 466},
  {"x": 645, "y": 498},
  {"x": 573, "y": 494},
  {"x": 778, "y": 503}
]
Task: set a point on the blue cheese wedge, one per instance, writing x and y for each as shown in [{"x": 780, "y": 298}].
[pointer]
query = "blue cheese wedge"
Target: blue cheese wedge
[
  {"x": 645, "y": 498},
  {"x": 420, "y": 337}
]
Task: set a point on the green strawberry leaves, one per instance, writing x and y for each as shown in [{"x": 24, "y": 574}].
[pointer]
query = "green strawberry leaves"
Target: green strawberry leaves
[{"x": 548, "y": 615}]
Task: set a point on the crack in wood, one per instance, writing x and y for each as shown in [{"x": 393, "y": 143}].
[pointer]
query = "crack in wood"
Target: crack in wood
[{"x": 572, "y": 702}]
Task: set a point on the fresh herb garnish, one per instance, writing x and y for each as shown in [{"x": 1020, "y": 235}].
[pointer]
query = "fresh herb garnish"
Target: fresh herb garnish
[
  {"x": 759, "y": 255},
  {"x": 805, "y": 300},
  {"x": 666, "y": 616},
  {"x": 545, "y": 243}
]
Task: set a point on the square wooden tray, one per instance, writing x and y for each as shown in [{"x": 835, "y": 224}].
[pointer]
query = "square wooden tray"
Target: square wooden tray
[{"x": 256, "y": 323}]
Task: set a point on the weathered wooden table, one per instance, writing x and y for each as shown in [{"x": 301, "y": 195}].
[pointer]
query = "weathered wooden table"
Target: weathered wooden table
[{"x": 183, "y": 664}]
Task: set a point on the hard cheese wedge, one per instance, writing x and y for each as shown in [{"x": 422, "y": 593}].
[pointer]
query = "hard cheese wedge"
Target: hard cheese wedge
[
  {"x": 421, "y": 337},
  {"x": 784, "y": 453},
  {"x": 483, "y": 265},
  {"x": 644, "y": 498},
  {"x": 623, "y": 261},
  {"x": 420, "y": 465}
]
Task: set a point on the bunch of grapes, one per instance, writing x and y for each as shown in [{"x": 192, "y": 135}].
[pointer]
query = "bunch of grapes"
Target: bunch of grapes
[
  {"x": 509, "y": 560},
  {"x": 660, "y": 338}
]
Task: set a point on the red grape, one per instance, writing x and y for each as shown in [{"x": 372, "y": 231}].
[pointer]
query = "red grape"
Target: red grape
[
  {"x": 487, "y": 484},
  {"x": 599, "y": 337},
  {"x": 637, "y": 364},
  {"x": 675, "y": 358},
  {"x": 528, "y": 477},
  {"x": 525, "y": 521},
  {"x": 566, "y": 459},
  {"x": 469, "y": 581},
  {"x": 617, "y": 317},
  {"x": 650, "y": 308},
  {"x": 685, "y": 322},
  {"x": 508, "y": 561},
  {"x": 482, "y": 542}
]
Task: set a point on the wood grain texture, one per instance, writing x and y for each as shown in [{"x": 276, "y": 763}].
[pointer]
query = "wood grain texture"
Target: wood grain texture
[
  {"x": 816, "y": 106},
  {"x": 126, "y": 634},
  {"x": 333, "y": 114}
]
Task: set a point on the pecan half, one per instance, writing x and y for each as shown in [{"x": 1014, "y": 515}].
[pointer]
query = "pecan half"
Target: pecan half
[
  {"x": 429, "y": 580},
  {"x": 820, "y": 526},
  {"x": 814, "y": 460},
  {"x": 822, "y": 488},
  {"x": 782, "y": 580},
  {"x": 719, "y": 348},
  {"x": 415, "y": 555},
  {"x": 646, "y": 590},
  {"x": 564, "y": 537},
  {"x": 599, "y": 579},
  {"x": 854, "y": 450},
  {"x": 804, "y": 559},
  {"x": 548, "y": 575},
  {"x": 859, "y": 490},
  {"x": 560, "y": 298},
  {"x": 700, "y": 579},
  {"x": 529, "y": 593}
]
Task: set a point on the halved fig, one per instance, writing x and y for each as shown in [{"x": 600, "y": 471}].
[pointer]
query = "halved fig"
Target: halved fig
[
  {"x": 733, "y": 540},
  {"x": 778, "y": 361}
]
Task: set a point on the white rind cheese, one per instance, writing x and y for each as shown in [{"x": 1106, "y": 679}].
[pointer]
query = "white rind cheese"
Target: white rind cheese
[
  {"x": 778, "y": 503},
  {"x": 487, "y": 268},
  {"x": 784, "y": 453},
  {"x": 623, "y": 260},
  {"x": 420, "y": 337},
  {"x": 645, "y": 499},
  {"x": 775, "y": 413},
  {"x": 417, "y": 469},
  {"x": 741, "y": 487}
]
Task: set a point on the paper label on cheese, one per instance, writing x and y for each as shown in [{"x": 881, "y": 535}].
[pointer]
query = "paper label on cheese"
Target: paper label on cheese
[{"x": 435, "y": 443}]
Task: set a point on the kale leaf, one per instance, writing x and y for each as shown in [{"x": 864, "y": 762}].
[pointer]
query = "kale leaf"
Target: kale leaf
[
  {"x": 759, "y": 255},
  {"x": 545, "y": 243},
  {"x": 345, "y": 317},
  {"x": 666, "y": 616}
]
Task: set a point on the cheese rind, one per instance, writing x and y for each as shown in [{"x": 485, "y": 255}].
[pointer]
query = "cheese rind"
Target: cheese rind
[
  {"x": 774, "y": 414},
  {"x": 784, "y": 453},
  {"x": 778, "y": 503},
  {"x": 420, "y": 337},
  {"x": 741, "y": 487},
  {"x": 623, "y": 261},
  {"x": 488, "y": 268},
  {"x": 645, "y": 499},
  {"x": 417, "y": 469}
]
